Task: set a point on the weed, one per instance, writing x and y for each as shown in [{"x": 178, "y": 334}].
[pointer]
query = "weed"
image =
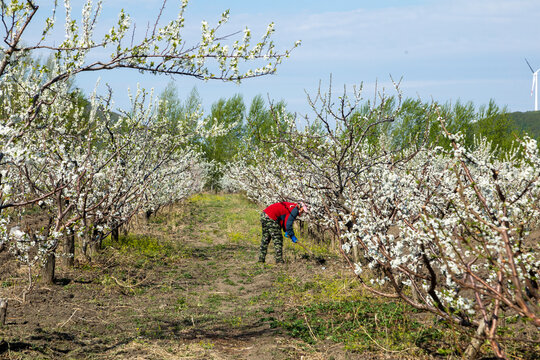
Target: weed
[
  {"x": 181, "y": 304},
  {"x": 140, "y": 263},
  {"x": 235, "y": 237},
  {"x": 207, "y": 240},
  {"x": 235, "y": 321},
  {"x": 143, "y": 244},
  {"x": 166, "y": 289},
  {"x": 215, "y": 300},
  {"x": 363, "y": 324},
  {"x": 157, "y": 219},
  {"x": 106, "y": 280},
  {"x": 186, "y": 275},
  {"x": 262, "y": 297},
  {"x": 152, "y": 331},
  {"x": 207, "y": 345}
]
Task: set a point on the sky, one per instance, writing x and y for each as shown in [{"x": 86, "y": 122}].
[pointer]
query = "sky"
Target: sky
[{"x": 442, "y": 50}]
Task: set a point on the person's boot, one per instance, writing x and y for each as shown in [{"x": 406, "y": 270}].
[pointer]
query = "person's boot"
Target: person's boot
[
  {"x": 261, "y": 260},
  {"x": 280, "y": 261}
]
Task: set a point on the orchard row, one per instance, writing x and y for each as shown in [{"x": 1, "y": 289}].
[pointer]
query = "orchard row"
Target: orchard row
[{"x": 442, "y": 223}]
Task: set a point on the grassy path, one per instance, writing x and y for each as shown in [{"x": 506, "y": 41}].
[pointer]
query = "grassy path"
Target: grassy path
[
  {"x": 183, "y": 286},
  {"x": 186, "y": 285}
]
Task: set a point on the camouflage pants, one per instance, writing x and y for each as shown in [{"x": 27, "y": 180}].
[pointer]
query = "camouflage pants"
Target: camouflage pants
[{"x": 270, "y": 230}]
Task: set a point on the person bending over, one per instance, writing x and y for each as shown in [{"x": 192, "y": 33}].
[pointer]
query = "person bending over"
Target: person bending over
[{"x": 277, "y": 217}]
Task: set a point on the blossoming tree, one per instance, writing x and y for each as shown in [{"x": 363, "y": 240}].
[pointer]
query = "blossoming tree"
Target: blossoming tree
[
  {"x": 82, "y": 167},
  {"x": 443, "y": 228}
]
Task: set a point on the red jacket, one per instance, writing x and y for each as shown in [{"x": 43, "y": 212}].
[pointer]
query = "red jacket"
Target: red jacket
[{"x": 284, "y": 213}]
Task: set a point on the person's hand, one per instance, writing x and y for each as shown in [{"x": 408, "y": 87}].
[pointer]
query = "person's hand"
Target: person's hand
[{"x": 294, "y": 239}]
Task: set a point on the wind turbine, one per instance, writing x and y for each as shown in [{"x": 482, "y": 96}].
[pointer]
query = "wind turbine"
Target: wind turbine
[{"x": 534, "y": 88}]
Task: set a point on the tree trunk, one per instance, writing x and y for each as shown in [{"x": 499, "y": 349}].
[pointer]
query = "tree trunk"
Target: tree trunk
[
  {"x": 333, "y": 242},
  {"x": 3, "y": 311},
  {"x": 95, "y": 244},
  {"x": 69, "y": 250},
  {"x": 115, "y": 234},
  {"x": 356, "y": 253},
  {"x": 414, "y": 294},
  {"x": 87, "y": 244},
  {"x": 47, "y": 273},
  {"x": 472, "y": 350},
  {"x": 84, "y": 248},
  {"x": 94, "y": 247},
  {"x": 147, "y": 214}
]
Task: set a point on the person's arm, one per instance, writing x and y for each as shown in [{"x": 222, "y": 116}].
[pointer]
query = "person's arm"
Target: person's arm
[{"x": 289, "y": 226}]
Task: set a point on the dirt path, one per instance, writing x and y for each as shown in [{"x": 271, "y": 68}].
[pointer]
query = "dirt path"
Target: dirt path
[{"x": 184, "y": 286}]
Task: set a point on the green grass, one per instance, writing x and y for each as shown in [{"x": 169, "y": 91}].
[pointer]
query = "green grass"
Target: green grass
[
  {"x": 235, "y": 217},
  {"x": 142, "y": 244},
  {"x": 364, "y": 324}
]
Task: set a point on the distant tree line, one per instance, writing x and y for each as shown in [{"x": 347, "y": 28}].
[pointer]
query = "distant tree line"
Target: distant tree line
[
  {"x": 414, "y": 123},
  {"x": 527, "y": 122}
]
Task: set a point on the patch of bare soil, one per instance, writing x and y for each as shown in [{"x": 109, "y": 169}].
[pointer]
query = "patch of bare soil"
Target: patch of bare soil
[{"x": 180, "y": 289}]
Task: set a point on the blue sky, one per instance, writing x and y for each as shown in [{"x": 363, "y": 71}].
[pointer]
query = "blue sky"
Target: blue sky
[{"x": 468, "y": 50}]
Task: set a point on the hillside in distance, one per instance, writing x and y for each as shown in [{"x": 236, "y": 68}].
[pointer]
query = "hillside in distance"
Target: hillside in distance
[{"x": 527, "y": 122}]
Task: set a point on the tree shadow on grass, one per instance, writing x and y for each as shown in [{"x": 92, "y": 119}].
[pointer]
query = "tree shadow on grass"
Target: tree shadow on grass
[
  {"x": 6, "y": 346},
  {"x": 62, "y": 282},
  {"x": 187, "y": 330},
  {"x": 64, "y": 344}
]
